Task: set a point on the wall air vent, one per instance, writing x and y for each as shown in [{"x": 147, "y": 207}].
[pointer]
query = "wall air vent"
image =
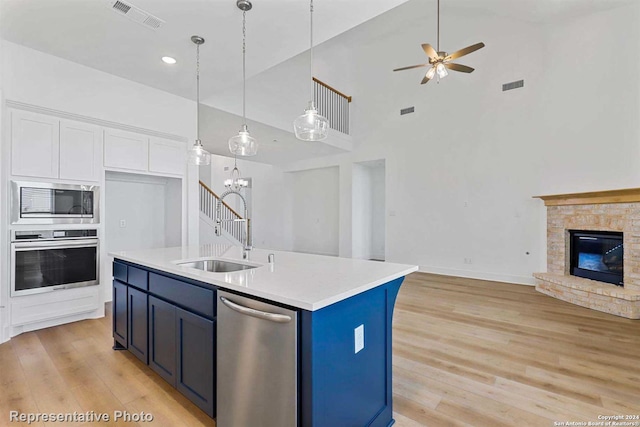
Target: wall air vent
[
  {"x": 136, "y": 14},
  {"x": 512, "y": 85},
  {"x": 407, "y": 111}
]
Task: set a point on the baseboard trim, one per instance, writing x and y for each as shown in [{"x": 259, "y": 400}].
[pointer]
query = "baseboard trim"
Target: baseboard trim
[{"x": 481, "y": 275}]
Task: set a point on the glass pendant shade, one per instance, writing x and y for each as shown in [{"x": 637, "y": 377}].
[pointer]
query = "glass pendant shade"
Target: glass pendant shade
[
  {"x": 442, "y": 70},
  {"x": 243, "y": 144},
  {"x": 311, "y": 126},
  {"x": 198, "y": 155}
]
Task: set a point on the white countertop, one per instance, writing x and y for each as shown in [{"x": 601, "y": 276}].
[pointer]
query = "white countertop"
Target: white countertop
[{"x": 306, "y": 281}]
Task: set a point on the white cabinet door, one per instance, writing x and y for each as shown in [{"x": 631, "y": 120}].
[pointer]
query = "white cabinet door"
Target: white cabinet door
[
  {"x": 126, "y": 150},
  {"x": 166, "y": 156},
  {"x": 35, "y": 141},
  {"x": 79, "y": 151}
]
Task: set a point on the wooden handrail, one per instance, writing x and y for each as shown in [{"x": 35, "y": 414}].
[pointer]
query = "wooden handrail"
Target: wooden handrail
[
  {"x": 348, "y": 98},
  {"x": 218, "y": 197}
]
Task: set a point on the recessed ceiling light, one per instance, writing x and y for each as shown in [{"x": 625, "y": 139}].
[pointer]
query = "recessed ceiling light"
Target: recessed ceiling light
[{"x": 169, "y": 60}]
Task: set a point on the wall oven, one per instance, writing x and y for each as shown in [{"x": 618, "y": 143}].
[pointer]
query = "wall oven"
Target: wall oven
[
  {"x": 48, "y": 260},
  {"x": 44, "y": 203}
]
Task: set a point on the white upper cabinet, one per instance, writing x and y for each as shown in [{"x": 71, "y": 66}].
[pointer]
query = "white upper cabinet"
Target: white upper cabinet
[
  {"x": 35, "y": 141},
  {"x": 126, "y": 150},
  {"x": 46, "y": 147},
  {"x": 79, "y": 151},
  {"x": 166, "y": 156}
]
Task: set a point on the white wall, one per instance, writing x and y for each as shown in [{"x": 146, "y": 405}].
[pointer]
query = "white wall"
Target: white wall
[
  {"x": 368, "y": 210},
  {"x": 590, "y": 109},
  {"x": 144, "y": 225},
  {"x": 173, "y": 212},
  {"x": 316, "y": 201},
  {"x": 378, "y": 212},
  {"x": 362, "y": 212},
  {"x": 40, "y": 79},
  {"x": 462, "y": 170}
]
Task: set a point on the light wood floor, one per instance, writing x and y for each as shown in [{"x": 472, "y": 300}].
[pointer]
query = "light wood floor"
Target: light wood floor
[
  {"x": 481, "y": 353},
  {"x": 465, "y": 353}
]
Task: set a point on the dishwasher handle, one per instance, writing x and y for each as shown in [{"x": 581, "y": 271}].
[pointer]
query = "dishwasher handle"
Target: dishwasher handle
[{"x": 273, "y": 317}]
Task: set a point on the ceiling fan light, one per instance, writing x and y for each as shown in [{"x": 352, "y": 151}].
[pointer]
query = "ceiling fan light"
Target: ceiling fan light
[
  {"x": 442, "y": 70},
  {"x": 431, "y": 73}
]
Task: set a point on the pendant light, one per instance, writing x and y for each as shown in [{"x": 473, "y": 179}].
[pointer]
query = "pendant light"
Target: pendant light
[
  {"x": 311, "y": 126},
  {"x": 235, "y": 181},
  {"x": 243, "y": 144},
  {"x": 197, "y": 154}
]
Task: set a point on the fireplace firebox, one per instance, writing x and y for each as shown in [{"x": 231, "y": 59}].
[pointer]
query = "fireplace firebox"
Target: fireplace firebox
[{"x": 597, "y": 255}]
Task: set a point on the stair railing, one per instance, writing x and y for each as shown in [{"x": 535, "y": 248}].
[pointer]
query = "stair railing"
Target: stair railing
[
  {"x": 208, "y": 200},
  {"x": 332, "y": 104}
]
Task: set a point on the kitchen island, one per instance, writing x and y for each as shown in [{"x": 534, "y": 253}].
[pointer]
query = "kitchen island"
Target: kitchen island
[{"x": 331, "y": 366}]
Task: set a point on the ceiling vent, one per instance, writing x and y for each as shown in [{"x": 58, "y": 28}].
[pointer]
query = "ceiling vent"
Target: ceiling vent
[
  {"x": 136, "y": 14},
  {"x": 512, "y": 85}
]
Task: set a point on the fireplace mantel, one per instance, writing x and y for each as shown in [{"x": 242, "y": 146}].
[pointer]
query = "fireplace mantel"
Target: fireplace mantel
[{"x": 626, "y": 195}]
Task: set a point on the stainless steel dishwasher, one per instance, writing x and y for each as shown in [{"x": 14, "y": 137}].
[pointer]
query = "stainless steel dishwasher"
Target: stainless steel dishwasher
[{"x": 256, "y": 364}]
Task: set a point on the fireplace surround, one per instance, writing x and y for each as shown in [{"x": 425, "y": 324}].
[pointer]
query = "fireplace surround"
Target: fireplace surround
[{"x": 615, "y": 212}]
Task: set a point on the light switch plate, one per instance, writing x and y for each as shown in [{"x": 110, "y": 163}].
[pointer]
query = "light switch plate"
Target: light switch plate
[{"x": 358, "y": 334}]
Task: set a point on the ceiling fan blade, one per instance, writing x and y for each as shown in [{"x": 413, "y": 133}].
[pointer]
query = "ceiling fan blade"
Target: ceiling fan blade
[
  {"x": 425, "y": 80},
  {"x": 465, "y": 51},
  {"x": 413, "y": 66},
  {"x": 458, "y": 67},
  {"x": 430, "y": 51}
]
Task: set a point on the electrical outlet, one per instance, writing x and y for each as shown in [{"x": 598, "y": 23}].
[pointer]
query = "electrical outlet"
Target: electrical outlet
[
  {"x": 123, "y": 223},
  {"x": 467, "y": 260},
  {"x": 358, "y": 335}
]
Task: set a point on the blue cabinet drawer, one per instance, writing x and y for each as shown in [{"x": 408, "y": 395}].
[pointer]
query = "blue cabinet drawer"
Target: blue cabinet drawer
[
  {"x": 190, "y": 297},
  {"x": 138, "y": 278},
  {"x": 120, "y": 271}
]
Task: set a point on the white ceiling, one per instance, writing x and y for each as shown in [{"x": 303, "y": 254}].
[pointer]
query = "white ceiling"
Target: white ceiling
[
  {"x": 537, "y": 11},
  {"x": 90, "y": 33}
]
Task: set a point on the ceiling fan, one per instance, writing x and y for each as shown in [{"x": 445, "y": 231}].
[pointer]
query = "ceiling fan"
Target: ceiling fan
[{"x": 440, "y": 61}]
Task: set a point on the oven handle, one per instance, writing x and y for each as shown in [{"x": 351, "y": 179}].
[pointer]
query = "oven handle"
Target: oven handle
[{"x": 85, "y": 243}]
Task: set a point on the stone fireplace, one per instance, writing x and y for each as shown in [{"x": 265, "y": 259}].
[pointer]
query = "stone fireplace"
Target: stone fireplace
[{"x": 604, "y": 211}]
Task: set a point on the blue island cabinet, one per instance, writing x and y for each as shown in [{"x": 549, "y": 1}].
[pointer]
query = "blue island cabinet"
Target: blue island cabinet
[
  {"x": 344, "y": 349},
  {"x": 342, "y": 383},
  {"x": 169, "y": 324}
]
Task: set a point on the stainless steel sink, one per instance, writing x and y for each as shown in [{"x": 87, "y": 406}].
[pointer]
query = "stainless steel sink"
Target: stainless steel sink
[{"x": 216, "y": 265}]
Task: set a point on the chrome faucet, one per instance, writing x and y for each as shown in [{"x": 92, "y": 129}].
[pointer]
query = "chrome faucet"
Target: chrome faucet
[{"x": 247, "y": 245}]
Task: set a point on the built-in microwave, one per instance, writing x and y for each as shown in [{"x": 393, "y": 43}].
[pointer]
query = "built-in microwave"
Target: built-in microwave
[{"x": 45, "y": 203}]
